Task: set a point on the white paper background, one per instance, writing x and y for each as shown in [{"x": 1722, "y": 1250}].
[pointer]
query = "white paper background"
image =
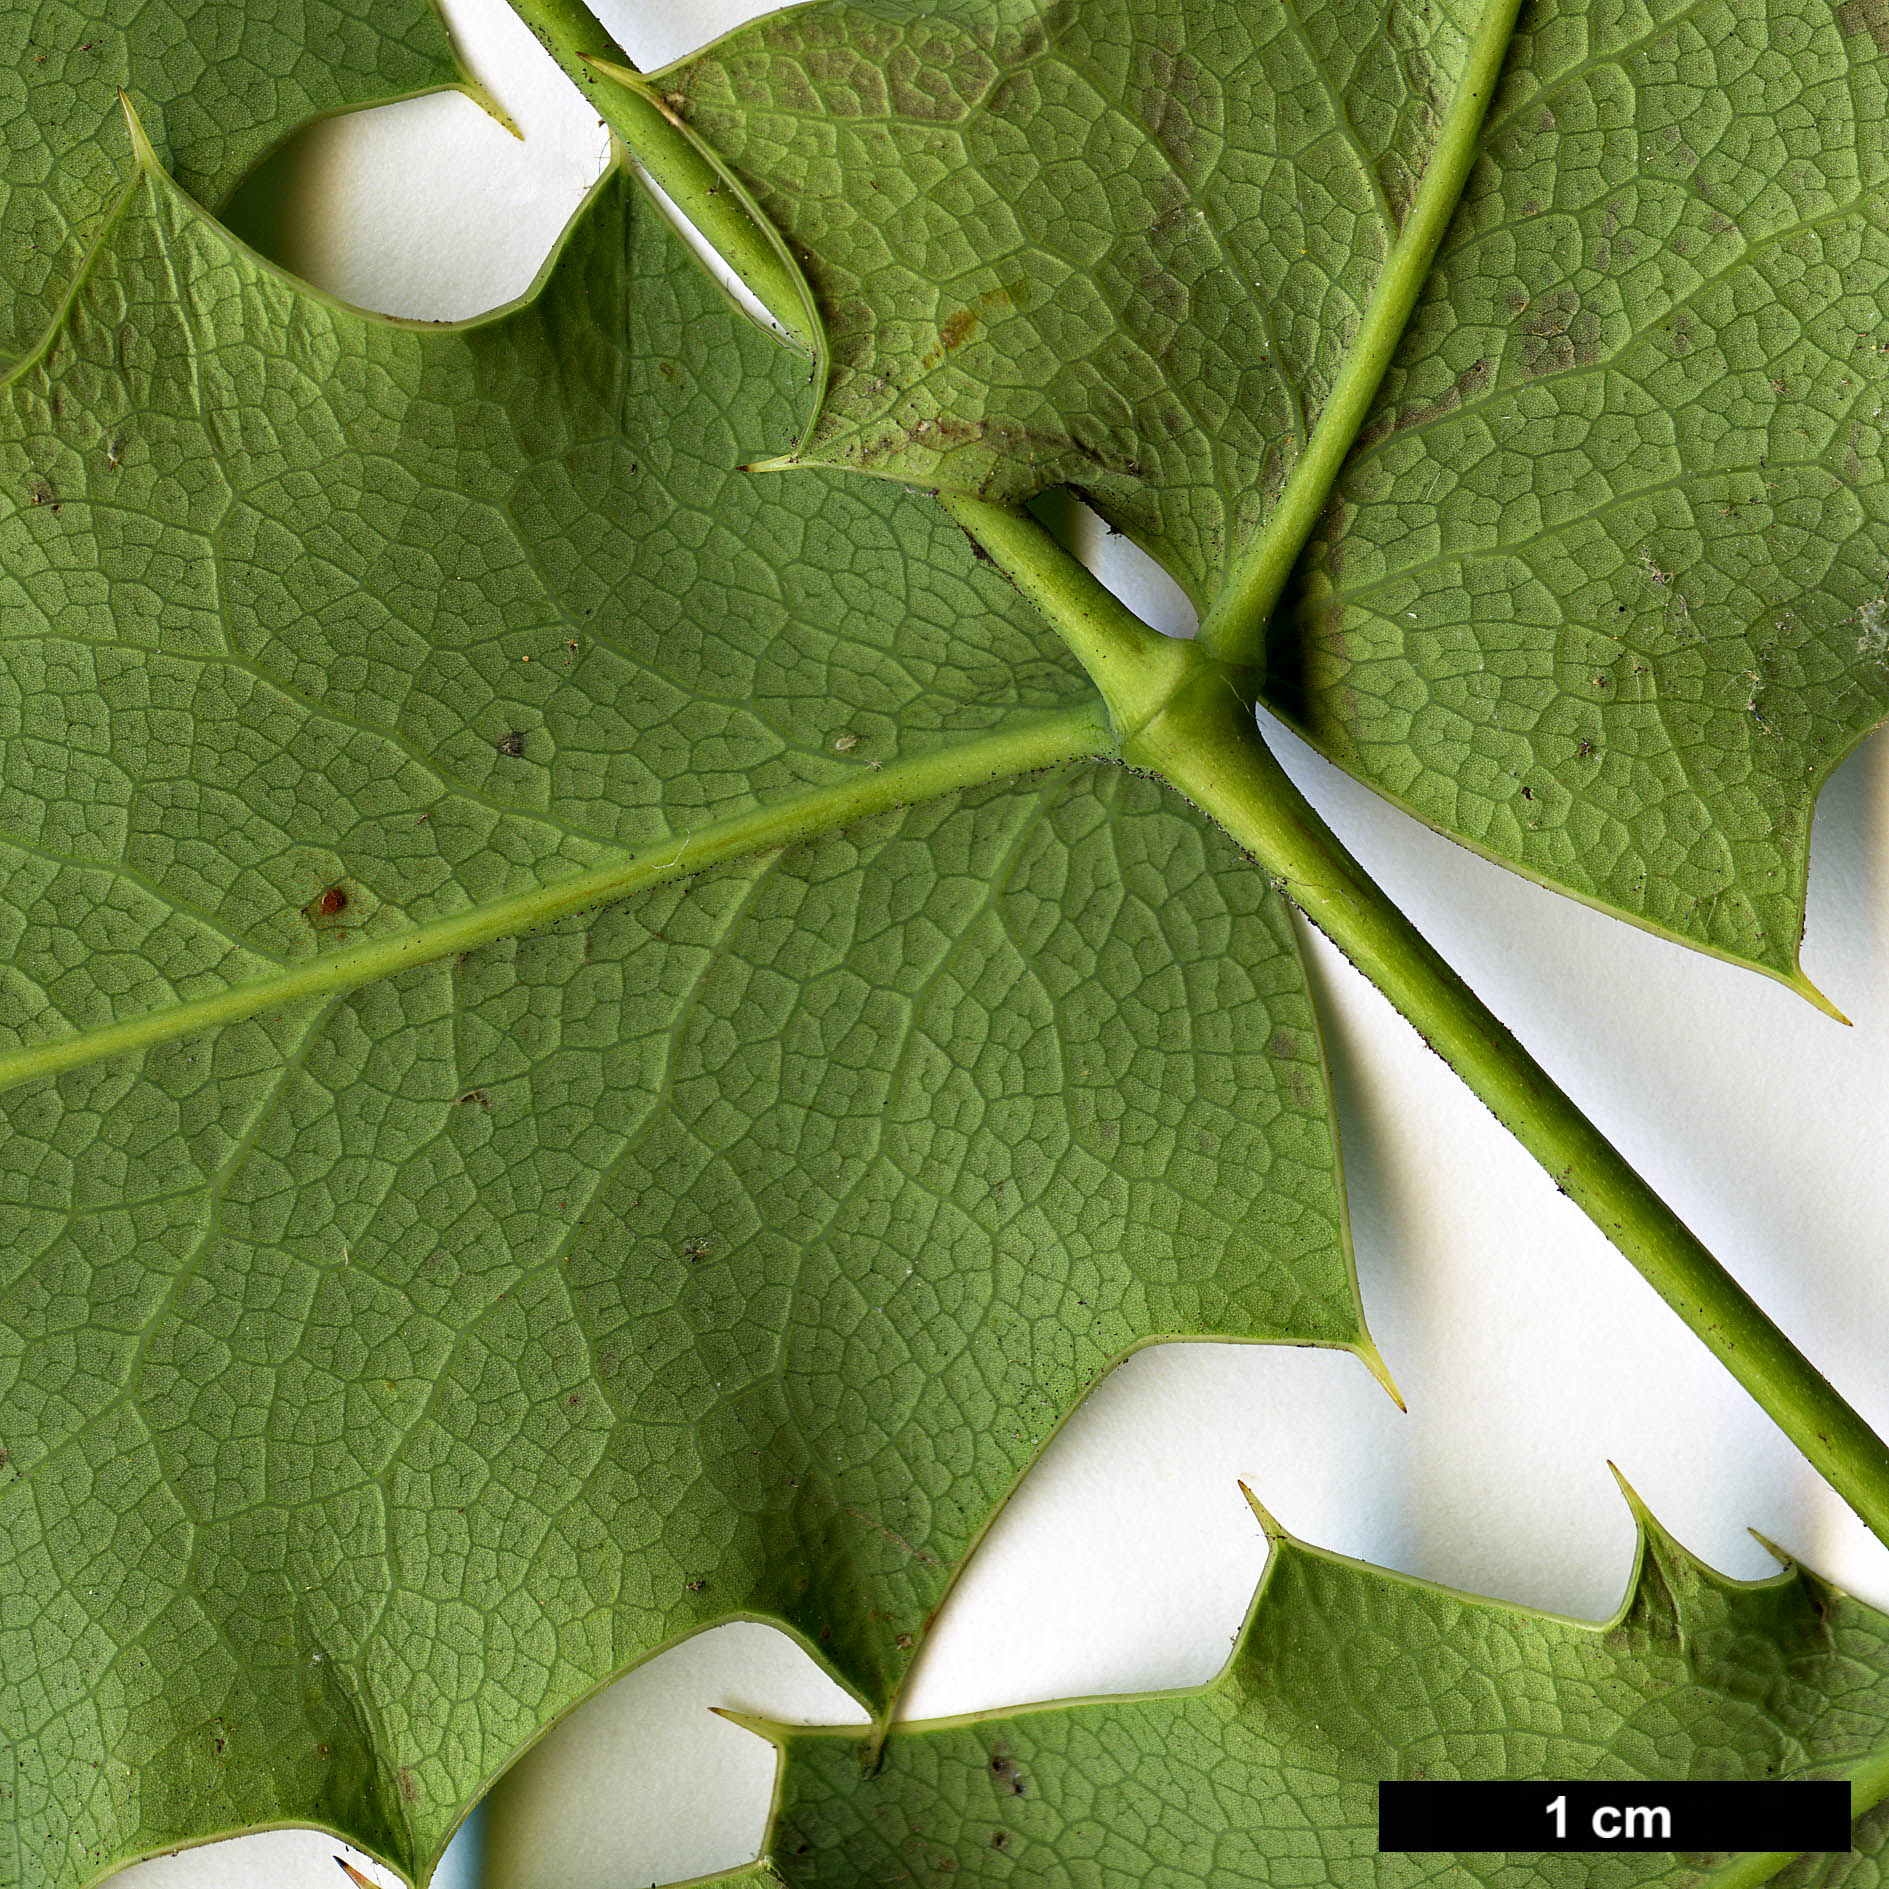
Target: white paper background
[{"x": 1529, "y": 1352}]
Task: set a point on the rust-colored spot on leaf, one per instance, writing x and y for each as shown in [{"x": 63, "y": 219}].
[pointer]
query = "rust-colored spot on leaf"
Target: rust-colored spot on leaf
[
  {"x": 1560, "y": 334},
  {"x": 1467, "y": 385},
  {"x": 1866, "y": 16},
  {"x": 958, "y": 326}
]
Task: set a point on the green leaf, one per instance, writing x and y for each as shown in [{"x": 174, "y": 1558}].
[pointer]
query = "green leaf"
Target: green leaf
[
  {"x": 1347, "y": 1674},
  {"x": 385, "y": 1370},
  {"x": 1603, "y": 590},
  {"x": 215, "y": 85},
  {"x": 1121, "y": 247}
]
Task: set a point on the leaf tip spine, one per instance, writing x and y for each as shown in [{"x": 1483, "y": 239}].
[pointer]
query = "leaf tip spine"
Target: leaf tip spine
[
  {"x": 487, "y": 101},
  {"x": 1814, "y": 997},
  {"x": 620, "y": 69},
  {"x": 1275, "y": 1534},
  {"x": 1373, "y": 1361},
  {"x": 1642, "y": 1516},
  {"x": 1781, "y": 1556},
  {"x": 756, "y": 1722},
  {"x": 142, "y": 151}
]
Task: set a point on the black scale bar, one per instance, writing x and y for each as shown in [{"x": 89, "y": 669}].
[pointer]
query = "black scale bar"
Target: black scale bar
[{"x": 1809, "y": 1814}]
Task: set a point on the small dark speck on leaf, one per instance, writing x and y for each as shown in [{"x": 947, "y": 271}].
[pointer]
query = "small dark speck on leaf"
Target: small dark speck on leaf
[
  {"x": 1007, "y": 1775},
  {"x": 1000, "y": 1839},
  {"x": 512, "y": 744},
  {"x": 695, "y": 1586},
  {"x": 695, "y": 1250}
]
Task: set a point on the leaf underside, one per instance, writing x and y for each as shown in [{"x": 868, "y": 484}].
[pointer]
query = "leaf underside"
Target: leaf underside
[
  {"x": 1121, "y": 246},
  {"x": 1604, "y": 589},
  {"x": 381, "y": 1374},
  {"x": 215, "y": 85},
  {"x": 1346, "y": 1675}
]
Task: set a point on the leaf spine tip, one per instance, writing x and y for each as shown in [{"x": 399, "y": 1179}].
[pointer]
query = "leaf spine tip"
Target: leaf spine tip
[
  {"x": 1267, "y": 1521},
  {"x": 1781, "y": 1556},
  {"x": 141, "y": 149},
  {"x": 619, "y": 69},
  {"x": 1813, "y": 996},
  {"x": 1373, "y": 1360},
  {"x": 761, "y": 1726},
  {"x": 1643, "y": 1516}
]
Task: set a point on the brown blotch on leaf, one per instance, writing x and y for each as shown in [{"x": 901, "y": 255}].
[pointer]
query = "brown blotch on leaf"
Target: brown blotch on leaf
[
  {"x": 1467, "y": 385},
  {"x": 329, "y": 904},
  {"x": 409, "y": 1785},
  {"x": 1559, "y": 334},
  {"x": 1866, "y": 16},
  {"x": 958, "y": 326},
  {"x": 1181, "y": 102},
  {"x": 512, "y": 745}
]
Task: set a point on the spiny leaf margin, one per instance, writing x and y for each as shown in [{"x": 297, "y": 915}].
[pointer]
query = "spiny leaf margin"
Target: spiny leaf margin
[
  {"x": 1346, "y": 1674},
  {"x": 198, "y": 1319}
]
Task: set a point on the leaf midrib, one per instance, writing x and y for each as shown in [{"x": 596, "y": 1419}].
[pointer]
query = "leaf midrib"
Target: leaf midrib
[
  {"x": 1234, "y": 627},
  {"x": 1026, "y": 745}
]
